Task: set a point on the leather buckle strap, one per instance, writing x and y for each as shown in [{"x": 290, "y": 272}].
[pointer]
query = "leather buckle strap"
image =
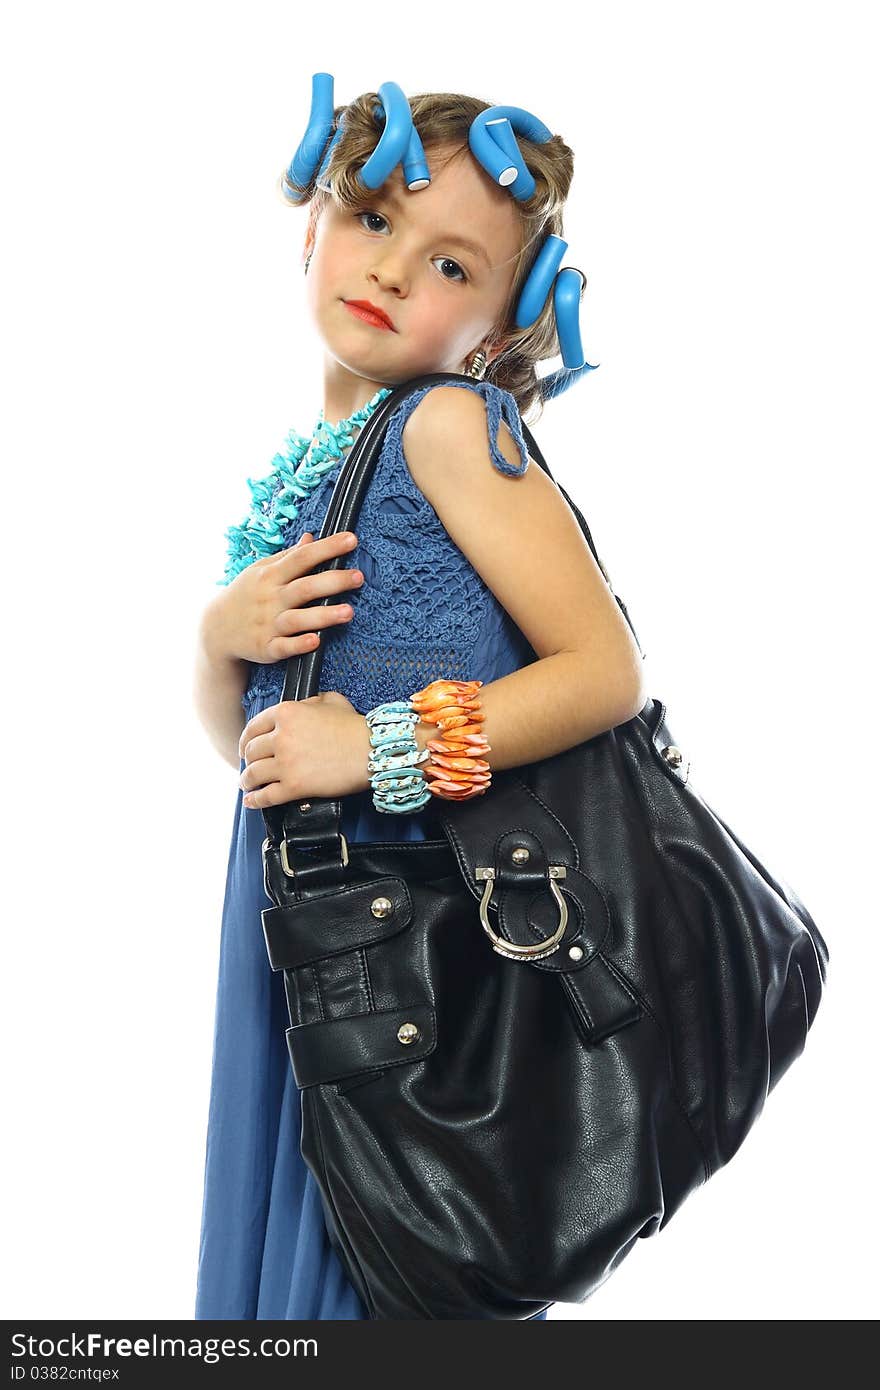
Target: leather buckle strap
[
  {"x": 330, "y": 924},
  {"x": 307, "y": 841},
  {"x": 331, "y": 1049},
  {"x": 291, "y": 871}
]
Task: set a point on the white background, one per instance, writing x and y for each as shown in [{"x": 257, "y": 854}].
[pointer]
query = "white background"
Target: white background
[{"x": 156, "y": 350}]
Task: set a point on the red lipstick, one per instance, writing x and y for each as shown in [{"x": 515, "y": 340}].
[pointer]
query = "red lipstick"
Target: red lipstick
[{"x": 369, "y": 313}]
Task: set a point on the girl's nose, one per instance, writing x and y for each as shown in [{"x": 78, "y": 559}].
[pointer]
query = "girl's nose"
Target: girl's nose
[{"x": 391, "y": 275}]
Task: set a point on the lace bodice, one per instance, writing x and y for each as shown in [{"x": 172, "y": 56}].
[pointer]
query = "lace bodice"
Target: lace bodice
[{"x": 423, "y": 611}]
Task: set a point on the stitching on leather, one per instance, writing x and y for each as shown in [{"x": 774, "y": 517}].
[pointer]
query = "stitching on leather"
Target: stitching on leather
[
  {"x": 575, "y": 999},
  {"x": 460, "y": 856},
  {"x": 553, "y": 816},
  {"x": 314, "y": 970},
  {"x": 365, "y": 977},
  {"x": 521, "y": 829},
  {"x": 458, "y": 843}
]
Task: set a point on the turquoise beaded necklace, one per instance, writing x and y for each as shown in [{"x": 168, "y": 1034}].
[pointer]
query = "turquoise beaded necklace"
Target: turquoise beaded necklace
[{"x": 275, "y": 499}]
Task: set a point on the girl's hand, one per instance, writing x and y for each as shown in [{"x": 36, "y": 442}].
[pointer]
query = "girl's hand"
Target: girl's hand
[
  {"x": 303, "y": 748},
  {"x": 262, "y": 616}
]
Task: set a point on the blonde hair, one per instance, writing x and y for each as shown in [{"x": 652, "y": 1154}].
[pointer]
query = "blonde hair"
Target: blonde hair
[{"x": 444, "y": 119}]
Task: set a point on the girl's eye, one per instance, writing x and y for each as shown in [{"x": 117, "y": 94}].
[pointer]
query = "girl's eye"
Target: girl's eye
[
  {"x": 371, "y": 214},
  {"x": 445, "y": 259}
]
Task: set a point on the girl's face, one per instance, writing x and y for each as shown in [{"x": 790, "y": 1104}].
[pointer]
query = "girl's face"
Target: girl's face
[{"x": 401, "y": 252}]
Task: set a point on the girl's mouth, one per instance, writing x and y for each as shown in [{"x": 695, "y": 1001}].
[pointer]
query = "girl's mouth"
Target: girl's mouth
[{"x": 367, "y": 317}]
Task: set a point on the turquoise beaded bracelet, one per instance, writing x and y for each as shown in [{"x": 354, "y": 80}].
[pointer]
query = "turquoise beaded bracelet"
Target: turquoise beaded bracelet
[{"x": 398, "y": 782}]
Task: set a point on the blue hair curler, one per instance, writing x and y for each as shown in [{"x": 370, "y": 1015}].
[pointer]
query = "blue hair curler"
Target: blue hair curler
[
  {"x": 415, "y": 165},
  {"x": 493, "y": 142},
  {"x": 296, "y": 179},
  {"x": 319, "y": 179},
  {"x": 540, "y": 280},
  {"x": 398, "y": 143},
  {"x": 556, "y": 382},
  {"x": 492, "y": 139},
  {"x": 567, "y": 295},
  {"x": 567, "y": 292}
]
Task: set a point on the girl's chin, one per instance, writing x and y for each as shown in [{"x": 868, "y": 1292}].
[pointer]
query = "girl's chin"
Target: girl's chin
[{"x": 375, "y": 360}]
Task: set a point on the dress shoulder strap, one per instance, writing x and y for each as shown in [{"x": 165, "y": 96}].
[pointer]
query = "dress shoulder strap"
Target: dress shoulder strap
[{"x": 499, "y": 404}]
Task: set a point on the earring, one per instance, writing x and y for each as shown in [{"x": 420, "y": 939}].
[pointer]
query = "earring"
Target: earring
[
  {"x": 477, "y": 365},
  {"x": 306, "y": 266}
]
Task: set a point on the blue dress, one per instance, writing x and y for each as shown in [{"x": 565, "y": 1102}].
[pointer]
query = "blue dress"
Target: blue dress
[{"x": 423, "y": 612}]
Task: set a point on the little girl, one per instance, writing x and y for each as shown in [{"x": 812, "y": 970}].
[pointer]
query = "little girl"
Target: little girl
[{"x": 467, "y": 566}]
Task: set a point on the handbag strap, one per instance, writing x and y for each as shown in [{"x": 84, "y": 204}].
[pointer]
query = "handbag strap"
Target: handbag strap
[{"x": 316, "y": 823}]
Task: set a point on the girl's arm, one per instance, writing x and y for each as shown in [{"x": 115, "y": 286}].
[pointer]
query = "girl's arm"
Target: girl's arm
[
  {"x": 219, "y": 682},
  {"x": 530, "y": 714},
  {"x": 540, "y": 710},
  {"x": 525, "y": 543}
]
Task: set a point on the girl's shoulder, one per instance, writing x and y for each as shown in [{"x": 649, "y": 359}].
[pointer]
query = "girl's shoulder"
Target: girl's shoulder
[{"x": 441, "y": 409}]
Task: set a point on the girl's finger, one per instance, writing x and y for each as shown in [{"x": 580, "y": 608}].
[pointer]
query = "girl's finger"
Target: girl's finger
[
  {"x": 270, "y": 794},
  {"x": 306, "y": 536},
  {"x": 259, "y": 774},
  {"x": 256, "y": 801},
  {"x": 262, "y": 723},
  {"x": 326, "y": 549},
  {"x": 258, "y": 746}
]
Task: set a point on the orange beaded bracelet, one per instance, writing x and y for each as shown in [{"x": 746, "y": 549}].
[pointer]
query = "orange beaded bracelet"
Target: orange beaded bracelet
[{"x": 455, "y": 769}]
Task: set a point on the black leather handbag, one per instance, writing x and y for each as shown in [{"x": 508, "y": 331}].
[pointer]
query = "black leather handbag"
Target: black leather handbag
[{"x": 523, "y": 1045}]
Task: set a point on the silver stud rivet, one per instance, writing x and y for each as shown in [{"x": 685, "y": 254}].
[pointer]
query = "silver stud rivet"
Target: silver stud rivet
[
  {"x": 520, "y": 855},
  {"x": 575, "y": 952},
  {"x": 381, "y": 907},
  {"x": 305, "y": 806},
  {"x": 673, "y": 755},
  {"x": 407, "y": 1033}
]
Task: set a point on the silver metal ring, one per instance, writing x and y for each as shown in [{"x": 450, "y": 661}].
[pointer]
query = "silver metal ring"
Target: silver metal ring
[{"x": 512, "y": 949}]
